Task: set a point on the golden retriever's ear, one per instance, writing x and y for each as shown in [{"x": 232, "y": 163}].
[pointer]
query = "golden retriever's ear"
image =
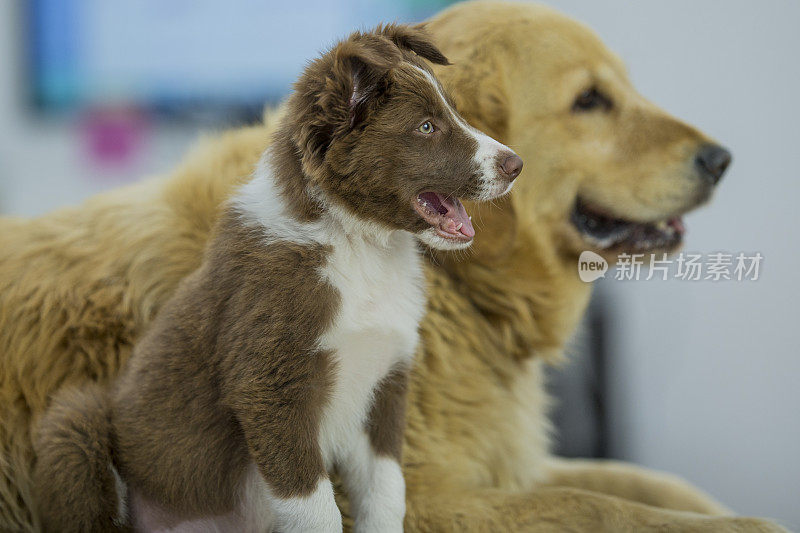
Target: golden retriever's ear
[
  {"x": 480, "y": 94},
  {"x": 493, "y": 108}
]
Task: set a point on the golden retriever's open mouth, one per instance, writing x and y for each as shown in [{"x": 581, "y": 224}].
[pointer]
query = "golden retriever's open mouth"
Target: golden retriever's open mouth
[
  {"x": 608, "y": 232},
  {"x": 446, "y": 215}
]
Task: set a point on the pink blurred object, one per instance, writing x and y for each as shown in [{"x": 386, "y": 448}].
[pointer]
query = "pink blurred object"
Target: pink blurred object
[{"x": 115, "y": 137}]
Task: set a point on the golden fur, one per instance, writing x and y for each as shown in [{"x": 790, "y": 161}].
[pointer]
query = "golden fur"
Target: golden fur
[{"x": 78, "y": 286}]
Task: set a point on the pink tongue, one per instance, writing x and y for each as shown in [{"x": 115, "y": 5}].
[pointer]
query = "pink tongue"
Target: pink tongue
[
  {"x": 456, "y": 211},
  {"x": 677, "y": 224}
]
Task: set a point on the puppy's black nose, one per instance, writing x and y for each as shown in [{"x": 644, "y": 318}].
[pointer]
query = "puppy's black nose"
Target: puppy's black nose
[
  {"x": 712, "y": 161},
  {"x": 511, "y": 165}
]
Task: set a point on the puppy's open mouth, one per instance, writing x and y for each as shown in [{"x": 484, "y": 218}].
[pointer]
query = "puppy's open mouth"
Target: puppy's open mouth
[
  {"x": 446, "y": 215},
  {"x": 606, "y": 231}
]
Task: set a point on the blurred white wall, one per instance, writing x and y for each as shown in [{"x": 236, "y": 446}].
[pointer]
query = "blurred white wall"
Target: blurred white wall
[
  {"x": 43, "y": 161},
  {"x": 705, "y": 377}
]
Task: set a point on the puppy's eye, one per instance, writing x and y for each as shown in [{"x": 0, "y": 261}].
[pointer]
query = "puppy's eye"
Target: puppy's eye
[
  {"x": 590, "y": 100},
  {"x": 426, "y": 127}
]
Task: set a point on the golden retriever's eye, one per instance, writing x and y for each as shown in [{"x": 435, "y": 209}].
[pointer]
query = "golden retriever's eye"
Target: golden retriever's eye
[
  {"x": 590, "y": 100},
  {"x": 426, "y": 127}
]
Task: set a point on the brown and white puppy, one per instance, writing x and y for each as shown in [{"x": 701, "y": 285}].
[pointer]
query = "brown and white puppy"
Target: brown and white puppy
[{"x": 286, "y": 353}]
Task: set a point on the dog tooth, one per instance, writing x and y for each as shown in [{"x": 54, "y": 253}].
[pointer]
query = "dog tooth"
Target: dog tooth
[{"x": 459, "y": 226}]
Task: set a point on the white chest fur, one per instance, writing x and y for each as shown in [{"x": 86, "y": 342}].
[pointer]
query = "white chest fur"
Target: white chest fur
[
  {"x": 378, "y": 275},
  {"x": 376, "y": 327}
]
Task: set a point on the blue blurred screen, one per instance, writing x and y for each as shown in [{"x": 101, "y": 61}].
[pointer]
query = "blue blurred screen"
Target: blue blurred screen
[{"x": 165, "y": 54}]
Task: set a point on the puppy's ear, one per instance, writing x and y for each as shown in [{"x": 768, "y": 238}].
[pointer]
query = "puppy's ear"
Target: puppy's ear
[
  {"x": 416, "y": 39},
  {"x": 362, "y": 69}
]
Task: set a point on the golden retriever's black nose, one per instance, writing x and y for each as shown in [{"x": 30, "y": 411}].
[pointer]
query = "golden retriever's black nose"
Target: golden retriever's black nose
[
  {"x": 511, "y": 166},
  {"x": 712, "y": 161}
]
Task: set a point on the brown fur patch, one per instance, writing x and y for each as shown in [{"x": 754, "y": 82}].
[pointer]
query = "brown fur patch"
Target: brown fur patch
[
  {"x": 227, "y": 370},
  {"x": 387, "y": 419}
]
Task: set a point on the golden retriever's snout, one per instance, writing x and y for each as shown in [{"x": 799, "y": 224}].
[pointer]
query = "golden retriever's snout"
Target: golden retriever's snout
[
  {"x": 712, "y": 161},
  {"x": 510, "y": 165}
]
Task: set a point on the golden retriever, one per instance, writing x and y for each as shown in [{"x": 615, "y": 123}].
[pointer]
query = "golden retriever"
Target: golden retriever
[{"x": 605, "y": 171}]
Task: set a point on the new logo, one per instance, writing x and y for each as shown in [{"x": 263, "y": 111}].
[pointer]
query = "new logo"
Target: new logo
[{"x": 591, "y": 266}]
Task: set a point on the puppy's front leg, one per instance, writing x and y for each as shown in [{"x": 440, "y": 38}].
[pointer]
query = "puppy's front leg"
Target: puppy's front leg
[
  {"x": 371, "y": 471},
  {"x": 315, "y": 512},
  {"x": 290, "y": 491}
]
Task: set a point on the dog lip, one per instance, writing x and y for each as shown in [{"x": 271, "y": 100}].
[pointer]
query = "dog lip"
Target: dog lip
[
  {"x": 606, "y": 231},
  {"x": 446, "y": 214}
]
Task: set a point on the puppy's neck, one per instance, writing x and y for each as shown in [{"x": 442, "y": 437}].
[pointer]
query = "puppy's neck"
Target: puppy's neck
[
  {"x": 282, "y": 161},
  {"x": 305, "y": 201}
]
